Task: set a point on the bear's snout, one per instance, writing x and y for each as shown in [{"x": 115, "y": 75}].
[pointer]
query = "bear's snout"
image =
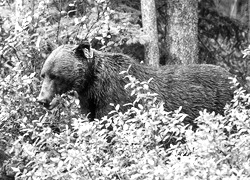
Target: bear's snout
[
  {"x": 43, "y": 101},
  {"x": 48, "y": 102}
]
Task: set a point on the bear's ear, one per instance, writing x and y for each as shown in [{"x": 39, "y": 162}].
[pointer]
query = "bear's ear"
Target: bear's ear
[
  {"x": 49, "y": 46},
  {"x": 84, "y": 50}
]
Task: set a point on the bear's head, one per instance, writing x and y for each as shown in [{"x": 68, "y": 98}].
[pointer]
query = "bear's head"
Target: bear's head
[{"x": 63, "y": 71}]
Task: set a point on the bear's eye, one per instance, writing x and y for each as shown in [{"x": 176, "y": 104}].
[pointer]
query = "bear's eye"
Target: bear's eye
[
  {"x": 42, "y": 75},
  {"x": 52, "y": 76}
]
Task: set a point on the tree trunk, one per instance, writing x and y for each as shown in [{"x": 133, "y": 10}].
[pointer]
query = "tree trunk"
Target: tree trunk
[
  {"x": 150, "y": 28},
  {"x": 234, "y": 7},
  {"x": 248, "y": 21},
  {"x": 182, "y": 31},
  {"x": 18, "y": 8},
  {"x": 32, "y": 10}
]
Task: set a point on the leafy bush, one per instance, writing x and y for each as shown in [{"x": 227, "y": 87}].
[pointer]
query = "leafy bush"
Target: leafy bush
[
  {"x": 145, "y": 142},
  {"x": 91, "y": 150},
  {"x": 219, "y": 149}
]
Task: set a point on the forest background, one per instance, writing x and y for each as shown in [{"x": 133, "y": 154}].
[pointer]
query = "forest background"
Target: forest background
[{"x": 62, "y": 144}]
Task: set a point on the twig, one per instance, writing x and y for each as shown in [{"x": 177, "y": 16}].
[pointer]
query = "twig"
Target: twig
[{"x": 59, "y": 22}]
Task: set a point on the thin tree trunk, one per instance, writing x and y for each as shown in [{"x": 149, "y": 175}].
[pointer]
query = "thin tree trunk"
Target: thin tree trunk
[
  {"x": 32, "y": 10},
  {"x": 234, "y": 6},
  {"x": 248, "y": 21},
  {"x": 150, "y": 28},
  {"x": 182, "y": 31},
  {"x": 18, "y": 8}
]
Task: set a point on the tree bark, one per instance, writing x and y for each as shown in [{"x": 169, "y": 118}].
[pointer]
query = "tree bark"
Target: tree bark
[
  {"x": 248, "y": 21},
  {"x": 182, "y": 31},
  {"x": 234, "y": 7},
  {"x": 18, "y": 8},
  {"x": 150, "y": 28}
]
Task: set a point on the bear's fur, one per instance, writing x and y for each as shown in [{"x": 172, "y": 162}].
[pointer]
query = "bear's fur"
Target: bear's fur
[{"x": 95, "y": 76}]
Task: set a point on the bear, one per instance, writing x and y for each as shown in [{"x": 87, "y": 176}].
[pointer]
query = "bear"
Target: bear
[{"x": 96, "y": 77}]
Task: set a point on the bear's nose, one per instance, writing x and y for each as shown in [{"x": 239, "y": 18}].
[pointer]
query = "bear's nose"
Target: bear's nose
[{"x": 43, "y": 102}]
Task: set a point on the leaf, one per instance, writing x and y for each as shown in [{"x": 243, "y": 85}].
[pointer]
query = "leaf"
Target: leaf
[
  {"x": 140, "y": 106},
  {"x": 60, "y": 164},
  {"x": 130, "y": 41},
  {"x": 77, "y": 101},
  {"x": 38, "y": 41},
  {"x": 32, "y": 74},
  {"x": 126, "y": 86},
  {"x": 83, "y": 18},
  {"x": 145, "y": 86},
  {"x": 29, "y": 55},
  {"x": 55, "y": 159},
  {"x": 110, "y": 43},
  {"x": 15, "y": 169},
  {"x": 125, "y": 127},
  {"x": 117, "y": 107},
  {"x": 132, "y": 92},
  {"x": 76, "y": 21}
]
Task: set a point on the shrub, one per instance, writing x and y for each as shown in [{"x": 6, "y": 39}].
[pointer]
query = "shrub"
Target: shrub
[
  {"x": 134, "y": 147},
  {"x": 145, "y": 142},
  {"x": 219, "y": 149}
]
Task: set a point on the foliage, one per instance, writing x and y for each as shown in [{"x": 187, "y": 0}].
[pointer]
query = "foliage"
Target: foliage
[
  {"x": 92, "y": 151},
  {"x": 222, "y": 41},
  {"x": 219, "y": 148},
  {"x": 145, "y": 142}
]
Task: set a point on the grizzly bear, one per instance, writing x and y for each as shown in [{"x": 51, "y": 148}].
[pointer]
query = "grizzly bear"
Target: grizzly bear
[{"x": 96, "y": 77}]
